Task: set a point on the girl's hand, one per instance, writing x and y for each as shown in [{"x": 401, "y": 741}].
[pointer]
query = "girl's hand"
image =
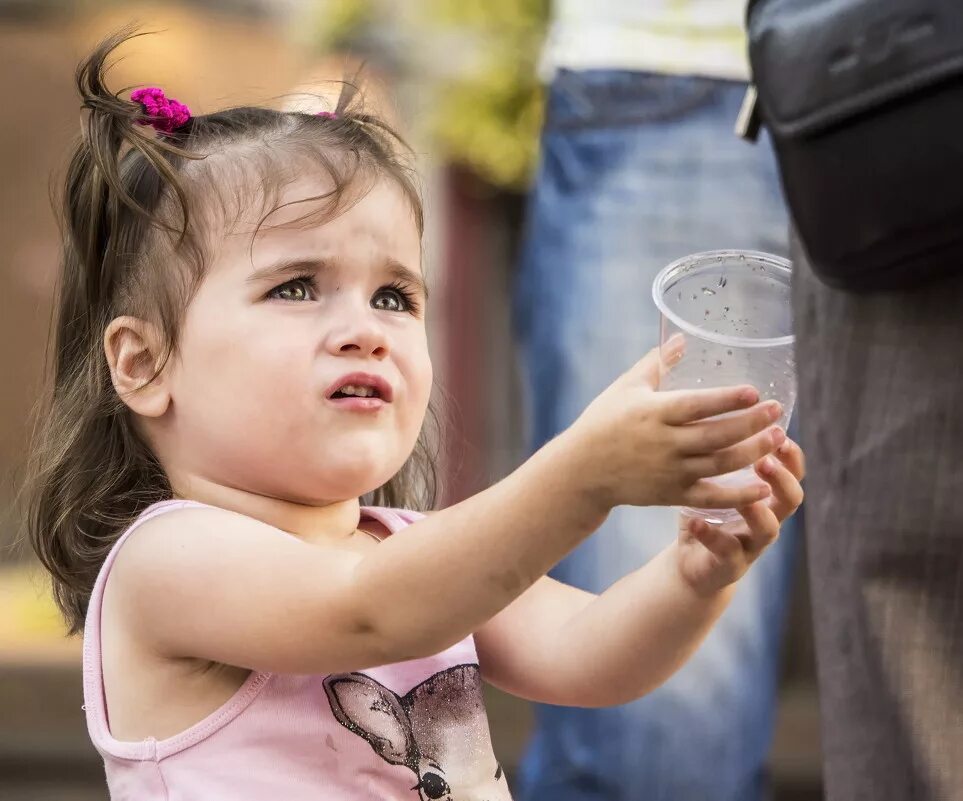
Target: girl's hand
[
  {"x": 634, "y": 445},
  {"x": 714, "y": 556}
]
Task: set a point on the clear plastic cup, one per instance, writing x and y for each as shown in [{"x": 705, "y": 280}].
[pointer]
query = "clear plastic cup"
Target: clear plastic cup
[{"x": 733, "y": 309}]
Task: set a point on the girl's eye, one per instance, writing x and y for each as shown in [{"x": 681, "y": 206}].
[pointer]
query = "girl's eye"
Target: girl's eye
[
  {"x": 300, "y": 289},
  {"x": 394, "y": 299}
]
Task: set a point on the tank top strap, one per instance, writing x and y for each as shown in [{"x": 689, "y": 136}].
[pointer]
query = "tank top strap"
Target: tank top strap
[
  {"x": 392, "y": 519},
  {"x": 94, "y": 700}
]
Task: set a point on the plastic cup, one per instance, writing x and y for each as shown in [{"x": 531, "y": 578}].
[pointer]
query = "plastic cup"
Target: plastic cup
[{"x": 733, "y": 309}]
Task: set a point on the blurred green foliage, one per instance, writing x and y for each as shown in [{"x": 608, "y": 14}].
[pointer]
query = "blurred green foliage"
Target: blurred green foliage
[
  {"x": 337, "y": 25},
  {"x": 480, "y": 57},
  {"x": 489, "y": 116}
]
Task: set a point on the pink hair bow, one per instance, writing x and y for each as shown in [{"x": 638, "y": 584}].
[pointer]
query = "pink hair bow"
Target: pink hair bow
[{"x": 162, "y": 113}]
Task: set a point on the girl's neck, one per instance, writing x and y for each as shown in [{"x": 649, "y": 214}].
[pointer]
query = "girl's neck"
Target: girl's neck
[{"x": 328, "y": 521}]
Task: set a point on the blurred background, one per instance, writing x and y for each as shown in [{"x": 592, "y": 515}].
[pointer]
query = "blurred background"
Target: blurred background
[{"x": 459, "y": 78}]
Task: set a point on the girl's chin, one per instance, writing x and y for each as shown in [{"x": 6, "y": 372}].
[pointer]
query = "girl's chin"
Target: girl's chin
[{"x": 349, "y": 485}]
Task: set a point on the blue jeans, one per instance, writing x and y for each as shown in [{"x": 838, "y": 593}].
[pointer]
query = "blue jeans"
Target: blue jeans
[{"x": 636, "y": 171}]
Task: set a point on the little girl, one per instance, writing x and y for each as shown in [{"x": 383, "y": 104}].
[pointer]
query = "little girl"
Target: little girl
[{"x": 240, "y": 359}]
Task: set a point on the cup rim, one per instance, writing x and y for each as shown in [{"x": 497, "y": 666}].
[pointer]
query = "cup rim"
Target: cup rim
[{"x": 778, "y": 262}]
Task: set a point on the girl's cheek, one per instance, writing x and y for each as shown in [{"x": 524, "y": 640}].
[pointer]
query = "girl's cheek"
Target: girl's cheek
[{"x": 422, "y": 377}]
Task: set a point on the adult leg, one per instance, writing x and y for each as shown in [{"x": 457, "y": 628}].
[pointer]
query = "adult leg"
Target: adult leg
[
  {"x": 638, "y": 170},
  {"x": 881, "y": 388}
]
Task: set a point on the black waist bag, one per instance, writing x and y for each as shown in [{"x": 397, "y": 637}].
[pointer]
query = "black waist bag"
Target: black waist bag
[{"x": 863, "y": 100}]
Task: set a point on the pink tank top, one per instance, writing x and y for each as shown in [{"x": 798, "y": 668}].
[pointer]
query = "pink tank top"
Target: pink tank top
[{"x": 406, "y": 732}]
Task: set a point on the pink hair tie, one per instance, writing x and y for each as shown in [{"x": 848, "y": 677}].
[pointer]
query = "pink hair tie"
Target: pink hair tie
[
  {"x": 162, "y": 113},
  {"x": 327, "y": 115}
]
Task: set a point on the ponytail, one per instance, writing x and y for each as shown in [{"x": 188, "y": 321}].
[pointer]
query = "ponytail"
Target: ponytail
[{"x": 89, "y": 473}]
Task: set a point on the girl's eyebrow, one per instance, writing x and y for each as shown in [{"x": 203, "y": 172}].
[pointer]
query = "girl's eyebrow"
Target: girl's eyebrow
[
  {"x": 286, "y": 267},
  {"x": 298, "y": 266}
]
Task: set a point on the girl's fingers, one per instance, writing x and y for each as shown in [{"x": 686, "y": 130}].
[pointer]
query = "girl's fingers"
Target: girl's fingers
[
  {"x": 709, "y": 436},
  {"x": 689, "y": 405},
  {"x": 705, "y": 494},
  {"x": 737, "y": 456},
  {"x": 763, "y": 528},
  {"x": 792, "y": 456},
  {"x": 645, "y": 372},
  {"x": 716, "y": 541},
  {"x": 787, "y": 494},
  {"x": 671, "y": 352}
]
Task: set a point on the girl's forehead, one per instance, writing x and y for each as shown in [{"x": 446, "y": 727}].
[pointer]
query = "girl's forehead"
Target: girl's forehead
[
  {"x": 377, "y": 223},
  {"x": 376, "y": 193},
  {"x": 308, "y": 204}
]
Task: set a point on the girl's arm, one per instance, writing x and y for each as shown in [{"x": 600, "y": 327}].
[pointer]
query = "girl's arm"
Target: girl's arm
[
  {"x": 559, "y": 645},
  {"x": 214, "y": 585}
]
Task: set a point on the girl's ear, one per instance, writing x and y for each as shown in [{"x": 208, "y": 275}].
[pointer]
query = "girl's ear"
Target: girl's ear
[{"x": 134, "y": 351}]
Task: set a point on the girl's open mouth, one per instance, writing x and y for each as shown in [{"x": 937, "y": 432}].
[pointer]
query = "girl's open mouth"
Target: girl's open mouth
[{"x": 360, "y": 392}]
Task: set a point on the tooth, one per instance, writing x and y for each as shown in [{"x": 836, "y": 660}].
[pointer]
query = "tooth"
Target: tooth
[{"x": 348, "y": 389}]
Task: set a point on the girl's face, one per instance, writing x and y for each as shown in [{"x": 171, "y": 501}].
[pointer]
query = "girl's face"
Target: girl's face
[{"x": 275, "y": 333}]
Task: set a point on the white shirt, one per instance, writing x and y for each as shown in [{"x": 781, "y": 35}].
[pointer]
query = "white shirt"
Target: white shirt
[{"x": 678, "y": 37}]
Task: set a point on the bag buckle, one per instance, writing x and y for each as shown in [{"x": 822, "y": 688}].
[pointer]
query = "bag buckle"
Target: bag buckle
[{"x": 749, "y": 122}]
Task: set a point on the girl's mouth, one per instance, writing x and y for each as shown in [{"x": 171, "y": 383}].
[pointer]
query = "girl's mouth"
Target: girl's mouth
[
  {"x": 357, "y": 403},
  {"x": 360, "y": 392}
]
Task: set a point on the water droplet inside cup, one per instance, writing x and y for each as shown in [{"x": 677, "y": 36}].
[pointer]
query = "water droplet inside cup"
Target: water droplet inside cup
[
  {"x": 723, "y": 281},
  {"x": 772, "y": 385},
  {"x": 698, "y": 380},
  {"x": 718, "y": 362},
  {"x": 728, "y": 352},
  {"x": 707, "y": 291}
]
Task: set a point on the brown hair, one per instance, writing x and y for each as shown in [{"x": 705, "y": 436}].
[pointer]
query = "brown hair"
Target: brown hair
[{"x": 131, "y": 205}]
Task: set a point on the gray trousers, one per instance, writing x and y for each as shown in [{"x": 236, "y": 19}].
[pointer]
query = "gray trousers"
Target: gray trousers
[{"x": 881, "y": 413}]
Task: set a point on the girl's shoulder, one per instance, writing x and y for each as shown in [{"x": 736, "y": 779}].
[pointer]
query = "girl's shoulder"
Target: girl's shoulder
[
  {"x": 211, "y": 584},
  {"x": 181, "y": 534},
  {"x": 157, "y": 516},
  {"x": 193, "y": 529},
  {"x": 170, "y": 537}
]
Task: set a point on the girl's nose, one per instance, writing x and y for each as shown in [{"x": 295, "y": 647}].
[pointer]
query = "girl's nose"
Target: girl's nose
[{"x": 359, "y": 337}]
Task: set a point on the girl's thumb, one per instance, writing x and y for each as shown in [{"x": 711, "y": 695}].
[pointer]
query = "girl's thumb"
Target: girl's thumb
[
  {"x": 658, "y": 361},
  {"x": 647, "y": 370}
]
